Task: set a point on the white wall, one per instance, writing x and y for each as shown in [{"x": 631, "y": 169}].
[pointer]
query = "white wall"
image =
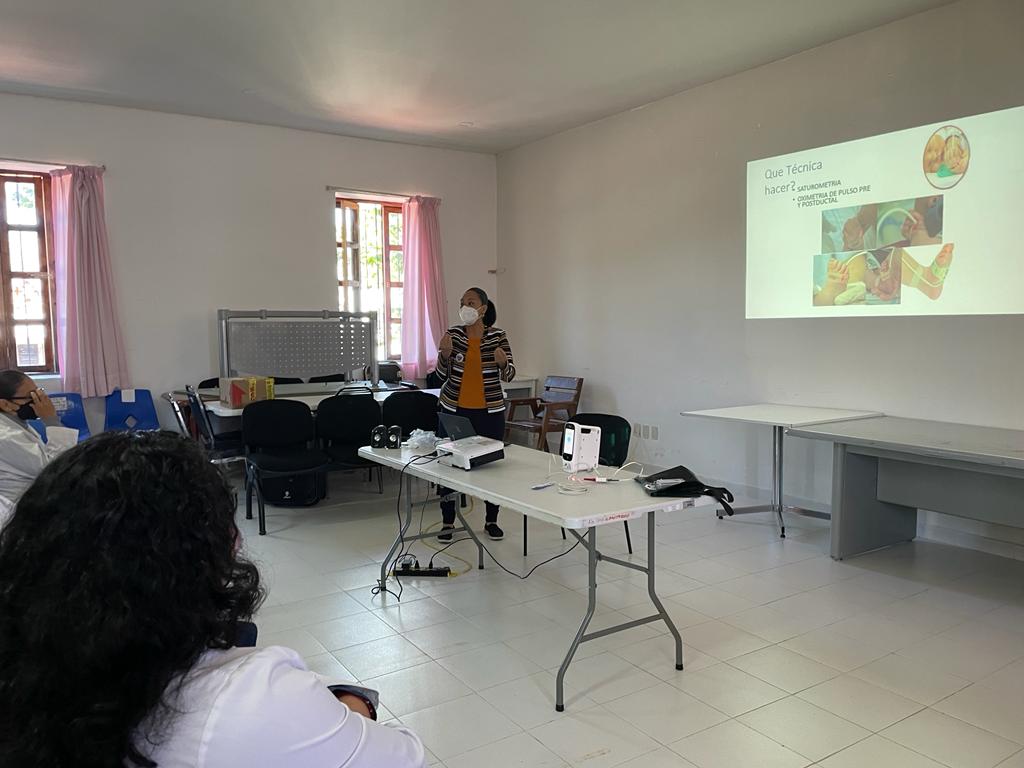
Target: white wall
[
  {"x": 204, "y": 214},
  {"x": 621, "y": 245}
]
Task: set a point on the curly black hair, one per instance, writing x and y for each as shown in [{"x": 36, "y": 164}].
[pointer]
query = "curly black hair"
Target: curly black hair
[{"x": 118, "y": 569}]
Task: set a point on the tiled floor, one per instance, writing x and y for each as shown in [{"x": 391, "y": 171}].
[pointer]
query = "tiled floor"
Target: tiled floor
[{"x": 912, "y": 657}]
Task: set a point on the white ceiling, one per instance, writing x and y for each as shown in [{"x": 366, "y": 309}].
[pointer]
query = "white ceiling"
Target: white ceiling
[{"x": 486, "y": 75}]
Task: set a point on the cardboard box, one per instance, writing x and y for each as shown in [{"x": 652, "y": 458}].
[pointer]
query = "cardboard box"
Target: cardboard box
[{"x": 240, "y": 391}]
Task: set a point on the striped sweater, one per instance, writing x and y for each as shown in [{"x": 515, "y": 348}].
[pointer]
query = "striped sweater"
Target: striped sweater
[{"x": 451, "y": 369}]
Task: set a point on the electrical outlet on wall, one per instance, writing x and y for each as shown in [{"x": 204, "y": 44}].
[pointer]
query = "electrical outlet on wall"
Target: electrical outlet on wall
[
  {"x": 654, "y": 432},
  {"x": 645, "y": 431},
  {"x": 636, "y": 429}
]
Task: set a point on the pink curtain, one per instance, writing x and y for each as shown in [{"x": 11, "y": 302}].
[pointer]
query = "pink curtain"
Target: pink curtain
[
  {"x": 424, "y": 319},
  {"x": 90, "y": 347}
]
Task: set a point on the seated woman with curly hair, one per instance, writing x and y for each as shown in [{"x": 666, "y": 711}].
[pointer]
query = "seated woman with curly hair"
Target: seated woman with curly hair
[{"x": 121, "y": 595}]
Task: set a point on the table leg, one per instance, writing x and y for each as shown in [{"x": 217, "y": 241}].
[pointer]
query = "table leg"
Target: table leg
[
  {"x": 472, "y": 535},
  {"x": 591, "y": 544},
  {"x": 776, "y": 505},
  {"x": 654, "y": 596},
  {"x": 778, "y": 436},
  {"x": 401, "y": 533}
]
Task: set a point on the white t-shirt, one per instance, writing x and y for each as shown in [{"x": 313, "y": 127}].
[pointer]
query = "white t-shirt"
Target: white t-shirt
[{"x": 263, "y": 707}]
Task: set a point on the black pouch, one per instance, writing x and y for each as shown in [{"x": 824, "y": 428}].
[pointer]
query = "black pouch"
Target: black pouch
[{"x": 681, "y": 482}]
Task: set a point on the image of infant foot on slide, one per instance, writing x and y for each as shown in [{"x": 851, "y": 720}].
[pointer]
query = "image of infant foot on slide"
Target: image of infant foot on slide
[{"x": 928, "y": 280}]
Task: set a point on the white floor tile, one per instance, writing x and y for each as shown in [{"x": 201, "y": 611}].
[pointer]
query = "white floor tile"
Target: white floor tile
[
  {"x": 708, "y": 572},
  {"x": 416, "y": 688},
  {"x": 302, "y": 613},
  {"x": 877, "y": 752},
  {"x": 595, "y": 738},
  {"x": 1000, "y": 711},
  {"x": 606, "y": 676},
  {"x": 414, "y": 615},
  {"x": 351, "y": 630},
  {"x": 447, "y": 639},
  {"x": 910, "y": 678},
  {"x": 1017, "y": 761},
  {"x": 665, "y": 713},
  {"x": 714, "y": 602},
  {"x": 728, "y": 689},
  {"x": 804, "y": 728},
  {"x": 860, "y": 702},
  {"x": 950, "y": 741},
  {"x": 722, "y": 641},
  {"x": 458, "y": 726},
  {"x": 785, "y": 669},
  {"x": 660, "y": 758},
  {"x": 658, "y": 656},
  {"x": 835, "y": 650},
  {"x": 547, "y": 649},
  {"x": 511, "y": 622},
  {"x": 530, "y": 701},
  {"x": 519, "y": 751},
  {"x": 299, "y": 640},
  {"x": 1009, "y": 678},
  {"x": 682, "y": 616},
  {"x": 379, "y": 657},
  {"x": 732, "y": 744},
  {"x": 772, "y": 625},
  {"x": 489, "y": 666}
]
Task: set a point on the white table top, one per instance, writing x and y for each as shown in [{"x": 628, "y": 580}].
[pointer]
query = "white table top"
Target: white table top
[
  {"x": 218, "y": 408},
  {"x": 941, "y": 439},
  {"x": 782, "y": 415},
  {"x": 507, "y": 483}
]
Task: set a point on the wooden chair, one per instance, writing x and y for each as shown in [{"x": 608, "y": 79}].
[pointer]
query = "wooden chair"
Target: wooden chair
[{"x": 549, "y": 412}]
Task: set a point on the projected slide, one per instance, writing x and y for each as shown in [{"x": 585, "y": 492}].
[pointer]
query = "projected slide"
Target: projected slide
[{"x": 924, "y": 221}]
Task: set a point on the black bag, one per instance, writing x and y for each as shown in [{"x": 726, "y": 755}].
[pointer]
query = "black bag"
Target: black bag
[
  {"x": 681, "y": 482},
  {"x": 294, "y": 490}
]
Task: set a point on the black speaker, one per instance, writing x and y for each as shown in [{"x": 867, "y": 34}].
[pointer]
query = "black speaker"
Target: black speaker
[
  {"x": 379, "y": 437},
  {"x": 395, "y": 437}
]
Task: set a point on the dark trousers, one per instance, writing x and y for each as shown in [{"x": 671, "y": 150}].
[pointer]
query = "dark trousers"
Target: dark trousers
[{"x": 487, "y": 425}]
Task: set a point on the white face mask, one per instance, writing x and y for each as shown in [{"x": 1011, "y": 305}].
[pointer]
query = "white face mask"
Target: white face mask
[{"x": 468, "y": 315}]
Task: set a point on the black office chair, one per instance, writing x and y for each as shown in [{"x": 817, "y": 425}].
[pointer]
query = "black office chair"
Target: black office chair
[
  {"x": 173, "y": 400},
  {"x": 277, "y": 435},
  {"x": 434, "y": 380},
  {"x": 343, "y": 425},
  {"x": 209, "y": 384},
  {"x": 411, "y": 409},
  {"x": 329, "y": 378},
  {"x": 221, "y": 448},
  {"x": 286, "y": 380},
  {"x": 389, "y": 372},
  {"x": 614, "y": 450}
]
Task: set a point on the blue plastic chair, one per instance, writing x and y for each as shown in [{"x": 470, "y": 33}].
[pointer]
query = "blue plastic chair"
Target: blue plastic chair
[
  {"x": 138, "y": 416},
  {"x": 71, "y": 412},
  {"x": 38, "y": 426}
]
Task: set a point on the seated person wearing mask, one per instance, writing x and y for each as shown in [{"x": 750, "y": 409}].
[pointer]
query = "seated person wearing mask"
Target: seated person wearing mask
[
  {"x": 23, "y": 454},
  {"x": 122, "y": 595}
]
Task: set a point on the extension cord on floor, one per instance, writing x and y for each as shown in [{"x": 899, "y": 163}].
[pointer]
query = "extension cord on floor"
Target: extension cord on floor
[{"x": 443, "y": 572}]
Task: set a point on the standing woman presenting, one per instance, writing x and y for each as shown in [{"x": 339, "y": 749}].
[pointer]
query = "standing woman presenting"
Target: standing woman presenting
[{"x": 473, "y": 359}]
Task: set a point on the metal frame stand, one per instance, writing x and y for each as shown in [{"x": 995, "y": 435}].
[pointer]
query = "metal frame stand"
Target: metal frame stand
[
  {"x": 589, "y": 540},
  {"x": 777, "y": 505},
  {"x": 403, "y": 537}
]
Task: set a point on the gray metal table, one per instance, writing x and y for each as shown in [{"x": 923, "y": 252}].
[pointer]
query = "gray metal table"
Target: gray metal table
[
  {"x": 885, "y": 469},
  {"x": 778, "y": 417}
]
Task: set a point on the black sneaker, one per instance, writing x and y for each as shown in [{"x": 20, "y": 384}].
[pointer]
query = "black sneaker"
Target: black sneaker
[
  {"x": 493, "y": 532},
  {"x": 446, "y": 533}
]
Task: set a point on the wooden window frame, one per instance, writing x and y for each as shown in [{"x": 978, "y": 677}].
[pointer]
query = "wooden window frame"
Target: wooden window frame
[
  {"x": 44, "y": 231},
  {"x": 352, "y": 240}
]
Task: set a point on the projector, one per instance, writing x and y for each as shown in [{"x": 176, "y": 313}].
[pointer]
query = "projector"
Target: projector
[
  {"x": 470, "y": 452},
  {"x": 581, "y": 447}
]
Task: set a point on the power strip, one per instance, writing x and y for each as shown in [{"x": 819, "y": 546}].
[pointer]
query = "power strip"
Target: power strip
[{"x": 443, "y": 572}]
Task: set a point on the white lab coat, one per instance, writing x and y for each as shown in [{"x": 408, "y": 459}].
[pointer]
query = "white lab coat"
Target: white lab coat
[{"x": 23, "y": 455}]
